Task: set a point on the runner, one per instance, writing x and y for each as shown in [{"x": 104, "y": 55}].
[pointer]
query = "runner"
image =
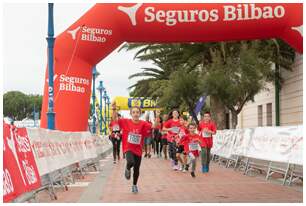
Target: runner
[
  {"x": 133, "y": 133},
  {"x": 164, "y": 138},
  {"x": 148, "y": 139},
  {"x": 115, "y": 137},
  {"x": 180, "y": 146},
  {"x": 191, "y": 146},
  {"x": 172, "y": 126},
  {"x": 157, "y": 126},
  {"x": 207, "y": 128}
]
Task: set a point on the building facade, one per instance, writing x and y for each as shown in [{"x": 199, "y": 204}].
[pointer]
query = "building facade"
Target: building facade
[{"x": 261, "y": 112}]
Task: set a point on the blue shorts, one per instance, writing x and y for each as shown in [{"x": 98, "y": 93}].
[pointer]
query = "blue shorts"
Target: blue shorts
[{"x": 148, "y": 140}]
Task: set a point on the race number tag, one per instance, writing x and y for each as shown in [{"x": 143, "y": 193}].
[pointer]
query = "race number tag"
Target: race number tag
[
  {"x": 206, "y": 134},
  {"x": 175, "y": 129},
  {"x": 134, "y": 138},
  {"x": 181, "y": 134},
  {"x": 116, "y": 128},
  {"x": 193, "y": 146}
]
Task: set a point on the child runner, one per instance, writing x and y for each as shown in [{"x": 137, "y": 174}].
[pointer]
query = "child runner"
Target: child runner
[
  {"x": 191, "y": 146},
  {"x": 148, "y": 139},
  {"x": 133, "y": 133},
  {"x": 172, "y": 126},
  {"x": 115, "y": 137},
  {"x": 180, "y": 146},
  {"x": 207, "y": 128}
]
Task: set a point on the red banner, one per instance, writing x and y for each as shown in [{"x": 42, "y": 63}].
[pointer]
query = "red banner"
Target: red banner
[
  {"x": 20, "y": 173},
  {"x": 106, "y": 26}
]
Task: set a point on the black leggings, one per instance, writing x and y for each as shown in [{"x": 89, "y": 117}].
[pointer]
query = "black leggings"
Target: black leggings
[
  {"x": 172, "y": 150},
  {"x": 134, "y": 161},
  {"x": 116, "y": 147},
  {"x": 157, "y": 141}
]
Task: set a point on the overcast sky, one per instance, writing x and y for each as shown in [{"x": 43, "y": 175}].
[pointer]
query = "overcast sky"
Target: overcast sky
[{"x": 25, "y": 48}]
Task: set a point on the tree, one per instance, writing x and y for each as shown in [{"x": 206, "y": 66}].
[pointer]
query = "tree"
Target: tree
[
  {"x": 182, "y": 89},
  {"x": 15, "y": 105},
  {"x": 18, "y": 105},
  {"x": 238, "y": 77},
  {"x": 34, "y": 101}
]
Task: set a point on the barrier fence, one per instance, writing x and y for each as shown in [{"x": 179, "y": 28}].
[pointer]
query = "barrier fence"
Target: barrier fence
[
  {"x": 280, "y": 144},
  {"x": 269, "y": 150},
  {"x": 35, "y": 159}
]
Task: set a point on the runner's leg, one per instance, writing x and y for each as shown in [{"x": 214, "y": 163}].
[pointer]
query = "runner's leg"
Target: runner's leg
[{"x": 137, "y": 161}]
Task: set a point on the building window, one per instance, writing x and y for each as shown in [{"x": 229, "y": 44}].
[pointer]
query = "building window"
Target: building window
[
  {"x": 259, "y": 115},
  {"x": 269, "y": 114}
]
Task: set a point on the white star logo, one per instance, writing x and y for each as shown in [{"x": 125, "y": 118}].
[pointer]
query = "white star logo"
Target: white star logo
[
  {"x": 299, "y": 29},
  {"x": 74, "y": 32},
  {"x": 131, "y": 12}
]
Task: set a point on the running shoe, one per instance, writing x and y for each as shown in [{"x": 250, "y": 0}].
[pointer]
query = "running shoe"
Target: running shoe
[
  {"x": 114, "y": 161},
  {"x": 149, "y": 155},
  {"x": 187, "y": 167},
  {"x": 192, "y": 174},
  {"x": 184, "y": 170},
  {"x": 134, "y": 189},
  {"x": 127, "y": 174}
]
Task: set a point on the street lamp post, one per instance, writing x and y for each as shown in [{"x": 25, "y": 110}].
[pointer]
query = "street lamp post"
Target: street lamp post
[
  {"x": 100, "y": 89},
  {"x": 105, "y": 97},
  {"x": 95, "y": 74},
  {"x": 50, "y": 40},
  {"x": 108, "y": 107}
]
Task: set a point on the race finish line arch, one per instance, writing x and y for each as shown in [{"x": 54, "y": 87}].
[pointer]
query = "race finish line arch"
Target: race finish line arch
[{"x": 106, "y": 26}]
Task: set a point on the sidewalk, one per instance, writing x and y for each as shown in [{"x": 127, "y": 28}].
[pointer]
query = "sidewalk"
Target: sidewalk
[{"x": 158, "y": 183}]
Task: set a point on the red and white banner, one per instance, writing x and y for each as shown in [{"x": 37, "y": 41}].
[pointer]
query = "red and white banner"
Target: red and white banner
[
  {"x": 20, "y": 173},
  {"x": 280, "y": 144},
  {"x": 55, "y": 149},
  {"x": 106, "y": 26}
]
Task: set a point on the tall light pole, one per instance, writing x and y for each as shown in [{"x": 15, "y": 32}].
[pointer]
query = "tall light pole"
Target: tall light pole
[
  {"x": 100, "y": 89},
  {"x": 105, "y": 96},
  {"x": 108, "y": 106},
  {"x": 50, "y": 40},
  {"x": 95, "y": 74}
]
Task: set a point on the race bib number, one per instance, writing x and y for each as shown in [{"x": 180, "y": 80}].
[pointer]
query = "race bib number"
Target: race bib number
[
  {"x": 175, "y": 129},
  {"x": 194, "y": 146},
  {"x": 181, "y": 134},
  {"x": 134, "y": 138},
  {"x": 116, "y": 128},
  {"x": 206, "y": 134}
]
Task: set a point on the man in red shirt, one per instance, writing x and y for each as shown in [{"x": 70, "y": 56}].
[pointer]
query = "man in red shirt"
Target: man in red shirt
[
  {"x": 207, "y": 128},
  {"x": 134, "y": 132}
]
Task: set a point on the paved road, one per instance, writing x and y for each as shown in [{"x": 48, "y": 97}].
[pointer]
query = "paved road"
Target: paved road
[{"x": 158, "y": 183}]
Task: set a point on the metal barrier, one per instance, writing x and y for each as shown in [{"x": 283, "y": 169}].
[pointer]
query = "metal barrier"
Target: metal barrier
[{"x": 63, "y": 177}]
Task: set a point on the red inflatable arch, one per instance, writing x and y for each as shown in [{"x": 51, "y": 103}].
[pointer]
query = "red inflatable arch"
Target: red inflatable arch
[{"x": 106, "y": 26}]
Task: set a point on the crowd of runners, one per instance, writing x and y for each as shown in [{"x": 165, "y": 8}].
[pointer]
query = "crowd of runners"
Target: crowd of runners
[{"x": 171, "y": 137}]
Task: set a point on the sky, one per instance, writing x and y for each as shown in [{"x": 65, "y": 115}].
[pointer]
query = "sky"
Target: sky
[{"x": 25, "y": 48}]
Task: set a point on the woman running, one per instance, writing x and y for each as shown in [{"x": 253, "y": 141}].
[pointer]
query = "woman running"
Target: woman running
[
  {"x": 172, "y": 127},
  {"x": 133, "y": 133},
  {"x": 115, "y": 137},
  {"x": 157, "y": 126},
  {"x": 164, "y": 138},
  {"x": 207, "y": 128}
]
